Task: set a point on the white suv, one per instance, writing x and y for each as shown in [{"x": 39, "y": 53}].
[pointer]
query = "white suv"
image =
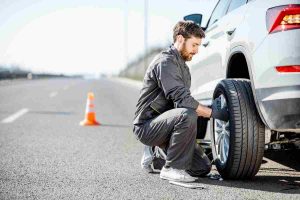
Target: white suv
[{"x": 251, "y": 58}]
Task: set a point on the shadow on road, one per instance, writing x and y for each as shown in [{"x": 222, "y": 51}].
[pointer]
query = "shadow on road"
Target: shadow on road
[
  {"x": 278, "y": 184},
  {"x": 281, "y": 177},
  {"x": 289, "y": 158}
]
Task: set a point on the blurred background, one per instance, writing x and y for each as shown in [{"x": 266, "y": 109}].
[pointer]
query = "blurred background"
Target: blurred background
[{"x": 87, "y": 38}]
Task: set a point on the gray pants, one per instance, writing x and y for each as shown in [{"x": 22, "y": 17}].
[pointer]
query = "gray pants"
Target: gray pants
[{"x": 174, "y": 132}]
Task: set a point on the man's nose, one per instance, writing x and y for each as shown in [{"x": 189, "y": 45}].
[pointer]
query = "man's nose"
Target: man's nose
[{"x": 196, "y": 50}]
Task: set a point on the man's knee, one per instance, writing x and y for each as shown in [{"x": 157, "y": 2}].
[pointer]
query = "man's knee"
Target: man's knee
[
  {"x": 187, "y": 123},
  {"x": 190, "y": 115}
]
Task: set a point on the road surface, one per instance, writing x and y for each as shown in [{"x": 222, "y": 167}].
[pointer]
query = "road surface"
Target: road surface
[{"x": 45, "y": 154}]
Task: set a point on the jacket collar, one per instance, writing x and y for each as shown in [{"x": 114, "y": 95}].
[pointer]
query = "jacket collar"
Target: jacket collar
[{"x": 177, "y": 54}]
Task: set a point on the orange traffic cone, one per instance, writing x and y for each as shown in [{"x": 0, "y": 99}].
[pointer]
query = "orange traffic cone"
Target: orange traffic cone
[{"x": 90, "y": 115}]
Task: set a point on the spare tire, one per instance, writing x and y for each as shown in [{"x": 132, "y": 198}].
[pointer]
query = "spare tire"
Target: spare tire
[{"x": 237, "y": 145}]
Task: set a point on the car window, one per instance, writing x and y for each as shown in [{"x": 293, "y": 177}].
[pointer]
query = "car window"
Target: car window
[
  {"x": 218, "y": 12},
  {"x": 235, "y": 4}
]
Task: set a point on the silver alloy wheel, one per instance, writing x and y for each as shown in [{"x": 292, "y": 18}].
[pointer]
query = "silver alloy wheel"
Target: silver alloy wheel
[{"x": 222, "y": 136}]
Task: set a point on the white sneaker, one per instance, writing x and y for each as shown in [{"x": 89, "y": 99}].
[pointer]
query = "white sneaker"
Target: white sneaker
[{"x": 178, "y": 175}]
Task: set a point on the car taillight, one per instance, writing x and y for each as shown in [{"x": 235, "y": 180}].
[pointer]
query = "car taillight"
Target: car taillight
[
  {"x": 283, "y": 18},
  {"x": 285, "y": 69}
]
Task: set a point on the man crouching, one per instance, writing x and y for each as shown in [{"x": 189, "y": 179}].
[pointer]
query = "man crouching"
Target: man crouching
[{"x": 166, "y": 115}]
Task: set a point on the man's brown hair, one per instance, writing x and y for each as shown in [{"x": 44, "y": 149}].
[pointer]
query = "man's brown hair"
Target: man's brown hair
[{"x": 187, "y": 29}]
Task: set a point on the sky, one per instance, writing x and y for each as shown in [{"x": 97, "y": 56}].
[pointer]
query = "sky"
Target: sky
[{"x": 87, "y": 36}]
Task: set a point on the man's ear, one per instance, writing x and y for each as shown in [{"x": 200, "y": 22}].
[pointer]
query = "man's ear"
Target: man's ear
[{"x": 180, "y": 38}]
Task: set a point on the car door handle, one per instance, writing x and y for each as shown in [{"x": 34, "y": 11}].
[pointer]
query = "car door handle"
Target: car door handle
[
  {"x": 205, "y": 43},
  {"x": 231, "y": 31}
]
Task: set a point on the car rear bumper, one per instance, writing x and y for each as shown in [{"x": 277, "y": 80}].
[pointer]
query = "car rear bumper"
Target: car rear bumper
[
  {"x": 278, "y": 94},
  {"x": 280, "y": 107}
]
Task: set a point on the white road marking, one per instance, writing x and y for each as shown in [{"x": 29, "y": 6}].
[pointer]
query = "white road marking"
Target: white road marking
[
  {"x": 15, "y": 116},
  {"x": 52, "y": 94},
  {"x": 187, "y": 185}
]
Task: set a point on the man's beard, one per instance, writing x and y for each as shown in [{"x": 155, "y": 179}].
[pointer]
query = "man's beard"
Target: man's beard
[{"x": 185, "y": 54}]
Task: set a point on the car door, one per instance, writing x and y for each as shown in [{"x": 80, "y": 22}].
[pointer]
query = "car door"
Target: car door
[
  {"x": 206, "y": 70},
  {"x": 209, "y": 65}
]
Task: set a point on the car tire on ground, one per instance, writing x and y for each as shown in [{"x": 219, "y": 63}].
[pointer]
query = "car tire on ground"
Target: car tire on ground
[{"x": 237, "y": 145}]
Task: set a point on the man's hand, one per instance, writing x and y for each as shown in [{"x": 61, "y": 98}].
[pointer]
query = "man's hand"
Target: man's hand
[
  {"x": 218, "y": 112},
  {"x": 203, "y": 111}
]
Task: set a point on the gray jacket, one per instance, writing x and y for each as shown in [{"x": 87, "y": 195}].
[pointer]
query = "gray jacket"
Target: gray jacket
[{"x": 166, "y": 86}]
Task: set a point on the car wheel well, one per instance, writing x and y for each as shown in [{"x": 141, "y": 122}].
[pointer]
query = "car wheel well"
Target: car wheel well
[{"x": 237, "y": 67}]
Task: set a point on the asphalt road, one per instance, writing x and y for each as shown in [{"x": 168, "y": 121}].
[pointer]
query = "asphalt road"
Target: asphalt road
[{"x": 45, "y": 154}]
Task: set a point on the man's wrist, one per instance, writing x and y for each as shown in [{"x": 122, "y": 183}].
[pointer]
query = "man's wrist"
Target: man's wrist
[{"x": 204, "y": 111}]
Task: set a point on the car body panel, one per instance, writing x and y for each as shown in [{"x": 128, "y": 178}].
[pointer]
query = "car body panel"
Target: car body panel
[
  {"x": 263, "y": 52},
  {"x": 212, "y": 67}
]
